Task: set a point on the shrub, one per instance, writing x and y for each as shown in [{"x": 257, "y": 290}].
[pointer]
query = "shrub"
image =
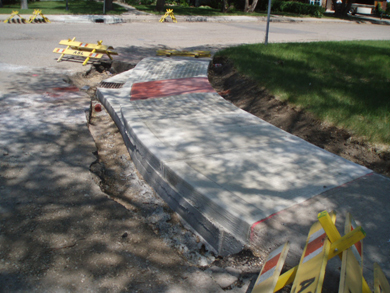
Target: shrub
[
  {"x": 140, "y": 2},
  {"x": 184, "y": 3},
  {"x": 298, "y": 8},
  {"x": 379, "y": 9},
  {"x": 238, "y": 4}
]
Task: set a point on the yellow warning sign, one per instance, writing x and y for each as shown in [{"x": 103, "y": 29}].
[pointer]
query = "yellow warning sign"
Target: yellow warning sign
[{"x": 170, "y": 14}]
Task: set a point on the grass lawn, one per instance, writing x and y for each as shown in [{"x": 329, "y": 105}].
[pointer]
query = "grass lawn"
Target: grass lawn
[
  {"x": 203, "y": 11},
  {"x": 344, "y": 83},
  {"x": 93, "y": 7},
  {"x": 58, "y": 7},
  {"x": 208, "y": 11}
]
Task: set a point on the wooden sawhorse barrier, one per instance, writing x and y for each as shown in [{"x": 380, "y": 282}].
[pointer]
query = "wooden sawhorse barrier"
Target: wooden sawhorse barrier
[
  {"x": 323, "y": 243},
  {"x": 86, "y": 50}
]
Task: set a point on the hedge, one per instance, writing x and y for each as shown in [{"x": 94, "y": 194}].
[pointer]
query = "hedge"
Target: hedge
[{"x": 298, "y": 8}]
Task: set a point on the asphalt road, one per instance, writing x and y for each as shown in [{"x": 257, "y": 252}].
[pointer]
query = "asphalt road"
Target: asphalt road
[{"x": 32, "y": 44}]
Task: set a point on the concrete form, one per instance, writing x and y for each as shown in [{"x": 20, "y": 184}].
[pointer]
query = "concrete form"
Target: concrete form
[{"x": 221, "y": 169}]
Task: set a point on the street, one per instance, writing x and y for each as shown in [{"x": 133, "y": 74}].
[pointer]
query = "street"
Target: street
[{"x": 32, "y": 44}]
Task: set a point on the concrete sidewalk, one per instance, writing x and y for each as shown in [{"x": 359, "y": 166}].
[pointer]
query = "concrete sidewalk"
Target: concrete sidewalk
[
  {"x": 134, "y": 15},
  {"x": 235, "y": 179}
]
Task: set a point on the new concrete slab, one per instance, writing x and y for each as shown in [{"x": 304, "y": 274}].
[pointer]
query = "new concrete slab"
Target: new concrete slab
[{"x": 222, "y": 169}]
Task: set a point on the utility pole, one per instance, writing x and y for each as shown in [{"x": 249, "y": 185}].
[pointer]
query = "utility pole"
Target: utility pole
[{"x": 268, "y": 17}]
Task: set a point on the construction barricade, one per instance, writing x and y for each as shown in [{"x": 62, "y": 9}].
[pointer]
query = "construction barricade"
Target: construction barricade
[
  {"x": 323, "y": 243},
  {"x": 196, "y": 54},
  {"x": 13, "y": 14},
  {"x": 170, "y": 14},
  {"x": 36, "y": 13},
  {"x": 85, "y": 50}
]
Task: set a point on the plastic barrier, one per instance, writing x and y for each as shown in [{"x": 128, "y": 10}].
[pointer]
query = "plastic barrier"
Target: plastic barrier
[
  {"x": 13, "y": 14},
  {"x": 184, "y": 53},
  {"x": 86, "y": 50},
  {"x": 36, "y": 13},
  {"x": 168, "y": 13},
  {"x": 323, "y": 243}
]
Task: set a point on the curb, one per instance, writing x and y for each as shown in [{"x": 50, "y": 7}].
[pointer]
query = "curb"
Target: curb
[{"x": 111, "y": 19}]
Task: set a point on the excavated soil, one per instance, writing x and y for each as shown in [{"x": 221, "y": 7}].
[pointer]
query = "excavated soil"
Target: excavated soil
[{"x": 249, "y": 96}]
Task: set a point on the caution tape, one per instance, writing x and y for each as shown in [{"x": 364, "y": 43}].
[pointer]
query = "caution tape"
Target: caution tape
[
  {"x": 86, "y": 50},
  {"x": 323, "y": 243}
]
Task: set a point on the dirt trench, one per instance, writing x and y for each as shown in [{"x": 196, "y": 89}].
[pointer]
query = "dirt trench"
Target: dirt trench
[{"x": 249, "y": 96}]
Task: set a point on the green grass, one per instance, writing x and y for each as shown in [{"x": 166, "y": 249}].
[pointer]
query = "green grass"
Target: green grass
[
  {"x": 201, "y": 11},
  {"x": 208, "y": 11},
  {"x": 93, "y": 7},
  {"x": 58, "y": 7},
  {"x": 344, "y": 83}
]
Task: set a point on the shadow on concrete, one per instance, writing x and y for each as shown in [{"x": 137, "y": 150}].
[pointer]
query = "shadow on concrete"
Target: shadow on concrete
[
  {"x": 294, "y": 222},
  {"x": 58, "y": 230}
]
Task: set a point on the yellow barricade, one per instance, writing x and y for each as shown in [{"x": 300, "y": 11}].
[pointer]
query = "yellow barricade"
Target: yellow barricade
[
  {"x": 170, "y": 14},
  {"x": 381, "y": 285},
  {"x": 195, "y": 53},
  {"x": 311, "y": 268},
  {"x": 270, "y": 272},
  {"x": 323, "y": 243},
  {"x": 36, "y": 13},
  {"x": 351, "y": 276},
  {"x": 86, "y": 50},
  {"x": 13, "y": 14}
]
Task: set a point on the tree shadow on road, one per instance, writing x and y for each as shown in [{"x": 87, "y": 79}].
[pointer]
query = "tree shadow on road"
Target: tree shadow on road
[{"x": 58, "y": 230}]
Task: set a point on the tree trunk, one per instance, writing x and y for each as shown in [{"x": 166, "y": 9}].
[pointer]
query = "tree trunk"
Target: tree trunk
[
  {"x": 108, "y": 4},
  {"x": 246, "y": 7},
  {"x": 67, "y": 5},
  {"x": 342, "y": 9},
  {"x": 224, "y": 5},
  {"x": 160, "y": 5},
  {"x": 23, "y": 4},
  {"x": 1, "y": 3},
  {"x": 252, "y": 7},
  {"x": 348, "y": 7}
]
